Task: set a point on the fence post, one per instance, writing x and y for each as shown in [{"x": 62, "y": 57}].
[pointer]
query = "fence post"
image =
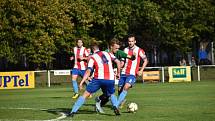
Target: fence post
[
  {"x": 49, "y": 79},
  {"x": 198, "y": 72},
  {"x": 163, "y": 74}
]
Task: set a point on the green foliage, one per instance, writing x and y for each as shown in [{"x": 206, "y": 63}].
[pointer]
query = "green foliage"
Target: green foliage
[
  {"x": 38, "y": 29},
  {"x": 35, "y": 29}
]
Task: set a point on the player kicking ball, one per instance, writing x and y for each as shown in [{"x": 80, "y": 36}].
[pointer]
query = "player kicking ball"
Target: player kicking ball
[
  {"x": 101, "y": 63},
  {"x": 119, "y": 54}
]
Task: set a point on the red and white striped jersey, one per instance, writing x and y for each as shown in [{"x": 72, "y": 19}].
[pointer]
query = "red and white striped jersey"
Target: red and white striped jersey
[
  {"x": 80, "y": 52},
  {"x": 132, "y": 67},
  {"x": 101, "y": 62}
]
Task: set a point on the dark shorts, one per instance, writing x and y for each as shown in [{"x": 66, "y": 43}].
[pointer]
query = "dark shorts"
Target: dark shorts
[
  {"x": 131, "y": 79},
  {"x": 108, "y": 86},
  {"x": 78, "y": 72}
]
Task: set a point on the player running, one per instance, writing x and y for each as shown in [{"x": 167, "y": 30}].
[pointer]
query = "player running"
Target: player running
[
  {"x": 101, "y": 63},
  {"x": 131, "y": 68},
  {"x": 80, "y": 56}
]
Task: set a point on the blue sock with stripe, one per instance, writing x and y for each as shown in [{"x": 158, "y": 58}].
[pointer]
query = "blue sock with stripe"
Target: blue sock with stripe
[
  {"x": 121, "y": 97},
  {"x": 75, "y": 86},
  {"x": 113, "y": 100},
  {"x": 78, "y": 104}
]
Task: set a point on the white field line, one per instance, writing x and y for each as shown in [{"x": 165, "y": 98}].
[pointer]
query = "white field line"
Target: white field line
[{"x": 63, "y": 115}]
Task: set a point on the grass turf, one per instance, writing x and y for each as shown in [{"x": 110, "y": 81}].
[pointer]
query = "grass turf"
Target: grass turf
[{"x": 156, "y": 101}]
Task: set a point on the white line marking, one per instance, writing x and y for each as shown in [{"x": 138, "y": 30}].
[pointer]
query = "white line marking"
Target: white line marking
[{"x": 63, "y": 115}]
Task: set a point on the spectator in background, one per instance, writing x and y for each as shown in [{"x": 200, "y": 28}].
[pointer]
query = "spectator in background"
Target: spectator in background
[
  {"x": 182, "y": 62},
  {"x": 202, "y": 57},
  {"x": 193, "y": 62},
  {"x": 203, "y": 54}
]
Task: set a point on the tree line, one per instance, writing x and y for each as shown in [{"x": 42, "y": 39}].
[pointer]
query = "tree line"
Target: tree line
[{"x": 39, "y": 31}]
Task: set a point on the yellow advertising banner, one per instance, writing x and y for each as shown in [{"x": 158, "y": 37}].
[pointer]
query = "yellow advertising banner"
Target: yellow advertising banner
[
  {"x": 151, "y": 75},
  {"x": 179, "y": 74},
  {"x": 17, "y": 80}
]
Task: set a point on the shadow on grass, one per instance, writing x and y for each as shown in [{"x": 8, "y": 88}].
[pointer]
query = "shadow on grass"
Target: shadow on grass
[
  {"x": 67, "y": 110},
  {"x": 56, "y": 111}
]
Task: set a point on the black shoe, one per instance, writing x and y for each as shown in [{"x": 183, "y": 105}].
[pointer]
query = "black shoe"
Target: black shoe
[
  {"x": 116, "y": 111},
  {"x": 71, "y": 114}
]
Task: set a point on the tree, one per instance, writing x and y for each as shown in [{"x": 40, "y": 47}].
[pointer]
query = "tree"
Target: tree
[{"x": 34, "y": 29}]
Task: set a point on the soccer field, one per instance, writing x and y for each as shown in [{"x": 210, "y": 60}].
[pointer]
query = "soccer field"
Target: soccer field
[{"x": 156, "y": 101}]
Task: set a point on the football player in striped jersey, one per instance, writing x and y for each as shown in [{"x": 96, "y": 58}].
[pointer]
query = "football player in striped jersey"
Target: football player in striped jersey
[
  {"x": 80, "y": 57},
  {"x": 101, "y": 63},
  {"x": 131, "y": 68}
]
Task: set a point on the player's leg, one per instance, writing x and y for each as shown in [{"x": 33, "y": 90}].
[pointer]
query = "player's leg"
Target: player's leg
[
  {"x": 91, "y": 88},
  {"x": 98, "y": 105},
  {"x": 74, "y": 82},
  {"x": 130, "y": 80},
  {"x": 121, "y": 83},
  {"x": 81, "y": 73},
  {"x": 104, "y": 99},
  {"x": 101, "y": 100},
  {"x": 110, "y": 88},
  {"x": 80, "y": 101}
]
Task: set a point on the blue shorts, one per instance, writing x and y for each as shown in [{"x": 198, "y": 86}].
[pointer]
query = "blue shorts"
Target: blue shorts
[
  {"x": 108, "y": 86},
  {"x": 131, "y": 79},
  {"x": 78, "y": 72}
]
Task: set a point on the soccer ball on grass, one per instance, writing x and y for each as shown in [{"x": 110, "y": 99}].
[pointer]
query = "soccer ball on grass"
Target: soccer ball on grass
[{"x": 132, "y": 107}]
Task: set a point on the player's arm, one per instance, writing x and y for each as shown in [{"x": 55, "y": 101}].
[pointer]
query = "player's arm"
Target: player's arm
[
  {"x": 118, "y": 67},
  {"x": 122, "y": 62},
  {"x": 87, "y": 73},
  {"x": 124, "y": 55},
  {"x": 143, "y": 56},
  {"x": 118, "y": 64},
  {"x": 71, "y": 54},
  {"x": 85, "y": 78}
]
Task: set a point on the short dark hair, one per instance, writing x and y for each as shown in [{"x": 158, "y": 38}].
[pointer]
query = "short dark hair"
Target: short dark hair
[
  {"x": 95, "y": 44},
  {"x": 131, "y": 35},
  {"x": 114, "y": 41},
  {"x": 76, "y": 40}
]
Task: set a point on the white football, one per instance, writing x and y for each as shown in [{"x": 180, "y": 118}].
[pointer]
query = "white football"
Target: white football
[{"x": 132, "y": 107}]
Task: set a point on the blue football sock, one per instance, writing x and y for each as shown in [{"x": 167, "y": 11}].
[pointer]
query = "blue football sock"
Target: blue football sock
[
  {"x": 75, "y": 86},
  {"x": 121, "y": 97},
  {"x": 113, "y": 100},
  {"x": 78, "y": 104}
]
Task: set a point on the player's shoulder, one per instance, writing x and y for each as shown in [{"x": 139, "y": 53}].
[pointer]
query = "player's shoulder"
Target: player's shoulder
[
  {"x": 126, "y": 48},
  {"x": 139, "y": 48},
  {"x": 84, "y": 48},
  {"x": 120, "y": 51},
  {"x": 107, "y": 53}
]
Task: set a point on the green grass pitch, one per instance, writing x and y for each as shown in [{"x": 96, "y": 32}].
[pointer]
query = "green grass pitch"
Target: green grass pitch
[{"x": 156, "y": 101}]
